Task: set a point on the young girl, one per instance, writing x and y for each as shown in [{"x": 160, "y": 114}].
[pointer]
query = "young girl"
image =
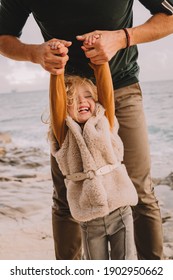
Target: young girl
[{"x": 86, "y": 145}]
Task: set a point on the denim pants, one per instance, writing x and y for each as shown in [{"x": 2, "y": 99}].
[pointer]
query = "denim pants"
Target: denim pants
[
  {"x": 146, "y": 214},
  {"x": 110, "y": 237}
]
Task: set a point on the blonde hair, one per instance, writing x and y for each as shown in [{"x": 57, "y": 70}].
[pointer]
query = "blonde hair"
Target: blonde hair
[{"x": 72, "y": 82}]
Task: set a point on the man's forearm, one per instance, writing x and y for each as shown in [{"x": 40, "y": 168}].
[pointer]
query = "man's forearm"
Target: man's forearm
[
  {"x": 52, "y": 61},
  {"x": 110, "y": 42},
  {"x": 13, "y": 48},
  {"x": 157, "y": 27}
]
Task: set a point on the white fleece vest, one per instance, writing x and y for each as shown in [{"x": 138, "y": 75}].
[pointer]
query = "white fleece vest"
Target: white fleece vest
[{"x": 87, "y": 150}]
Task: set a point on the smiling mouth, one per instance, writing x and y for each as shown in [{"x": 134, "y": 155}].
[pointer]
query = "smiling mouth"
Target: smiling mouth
[{"x": 84, "y": 109}]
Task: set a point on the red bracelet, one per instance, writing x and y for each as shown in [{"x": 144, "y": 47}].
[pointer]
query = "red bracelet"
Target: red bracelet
[{"x": 127, "y": 37}]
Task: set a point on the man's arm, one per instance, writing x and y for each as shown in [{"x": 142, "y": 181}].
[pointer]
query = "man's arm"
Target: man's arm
[
  {"x": 51, "y": 60},
  {"x": 158, "y": 26}
]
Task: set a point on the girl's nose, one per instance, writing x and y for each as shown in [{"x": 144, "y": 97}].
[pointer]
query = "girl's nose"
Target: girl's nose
[{"x": 81, "y": 100}]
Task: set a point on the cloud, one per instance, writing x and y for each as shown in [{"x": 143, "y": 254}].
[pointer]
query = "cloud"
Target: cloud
[
  {"x": 21, "y": 73},
  {"x": 156, "y": 60},
  {"x": 22, "y": 76}
]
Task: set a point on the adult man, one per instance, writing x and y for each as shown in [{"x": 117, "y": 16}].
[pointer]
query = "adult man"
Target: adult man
[{"x": 118, "y": 46}]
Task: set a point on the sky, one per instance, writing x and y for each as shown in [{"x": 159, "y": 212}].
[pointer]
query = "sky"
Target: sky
[{"x": 155, "y": 60}]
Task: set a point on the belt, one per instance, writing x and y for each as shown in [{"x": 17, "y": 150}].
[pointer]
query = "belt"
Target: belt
[{"x": 92, "y": 173}]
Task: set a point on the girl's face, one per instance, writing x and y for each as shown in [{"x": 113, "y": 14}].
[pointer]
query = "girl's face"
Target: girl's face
[{"x": 83, "y": 107}]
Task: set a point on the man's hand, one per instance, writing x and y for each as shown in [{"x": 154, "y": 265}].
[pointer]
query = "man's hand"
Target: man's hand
[
  {"x": 52, "y": 60},
  {"x": 100, "y": 46},
  {"x": 52, "y": 55}
]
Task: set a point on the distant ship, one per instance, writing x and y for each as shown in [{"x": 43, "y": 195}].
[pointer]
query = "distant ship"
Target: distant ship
[{"x": 13, "y": 90}]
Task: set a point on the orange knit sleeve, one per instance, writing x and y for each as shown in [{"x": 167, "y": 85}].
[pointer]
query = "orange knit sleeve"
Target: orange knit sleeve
[
  {"x": 105, "y": 90},
  {"x": 58, "y": 106}
]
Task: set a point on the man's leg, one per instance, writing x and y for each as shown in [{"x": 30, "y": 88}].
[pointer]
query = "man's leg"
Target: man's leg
[
  {"x": 133, "y": 132},
  {"x": 66, "y": 231}
]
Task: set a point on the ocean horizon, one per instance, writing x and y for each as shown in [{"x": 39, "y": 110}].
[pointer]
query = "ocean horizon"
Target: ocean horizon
[{"x": 21, "y": 117}]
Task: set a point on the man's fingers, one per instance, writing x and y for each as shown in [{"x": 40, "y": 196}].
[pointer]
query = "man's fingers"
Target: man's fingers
[
  {"x": 55, "y": 64},
  {"x": 55, "y": 69},
  {"x": 59, "y": 61},
  {"x": 90, "y": 38},
  {"x": 80, "y": 37},
  {"x": 90, "y": 53},
  {"x": 57, "y": 48},
  {"x": 66, "y": 43}
]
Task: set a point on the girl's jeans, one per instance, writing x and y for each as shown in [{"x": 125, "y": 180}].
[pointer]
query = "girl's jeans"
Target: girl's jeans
[{"x": 110, "y": 237}]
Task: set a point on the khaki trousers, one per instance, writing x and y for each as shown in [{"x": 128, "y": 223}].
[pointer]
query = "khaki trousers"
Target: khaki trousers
[{"x": 147, "y": 218}]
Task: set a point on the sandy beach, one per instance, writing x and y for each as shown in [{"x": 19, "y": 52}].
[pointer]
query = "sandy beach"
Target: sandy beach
[{"x": 26, "y": 199}]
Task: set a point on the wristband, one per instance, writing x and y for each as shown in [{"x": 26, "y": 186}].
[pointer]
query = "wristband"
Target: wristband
[{"x": 127, "y": 38}]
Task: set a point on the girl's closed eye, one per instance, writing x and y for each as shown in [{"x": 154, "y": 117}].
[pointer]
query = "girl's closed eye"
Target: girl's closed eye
[{"x": 88, "y": 95}]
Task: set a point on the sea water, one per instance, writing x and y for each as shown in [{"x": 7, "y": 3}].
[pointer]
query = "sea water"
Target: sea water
[{"x": 21, "y": 114}]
